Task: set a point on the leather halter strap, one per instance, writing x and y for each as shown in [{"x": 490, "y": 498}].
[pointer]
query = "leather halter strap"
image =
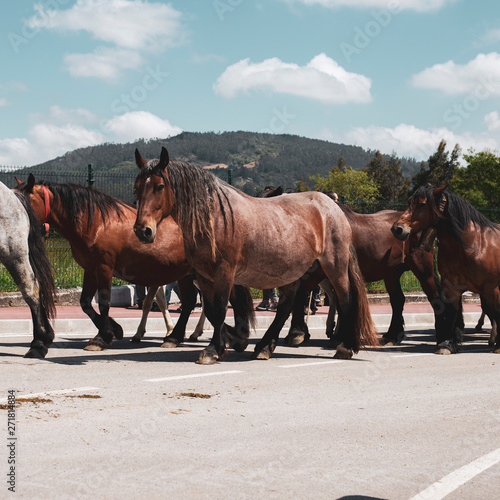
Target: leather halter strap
[{"x": 46, "y": 201}]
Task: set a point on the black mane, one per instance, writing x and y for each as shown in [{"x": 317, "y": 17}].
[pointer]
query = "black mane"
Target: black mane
[
  {"x": 458, "y": 213},
  {"x": 79, "y": 200},
  {"x": 196, "y": 193}
]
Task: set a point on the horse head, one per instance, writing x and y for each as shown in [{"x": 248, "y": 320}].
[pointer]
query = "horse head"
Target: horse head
[
  {"x": 425, "y": 209},
  {"x": 39, "y": 197},
  {"x": 153, "y": 194}
]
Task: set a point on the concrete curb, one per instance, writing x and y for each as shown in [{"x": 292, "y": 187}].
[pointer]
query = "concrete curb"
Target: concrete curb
[
  {"x": 124, "y": 296},
  {"x": 156, "y": 326}
]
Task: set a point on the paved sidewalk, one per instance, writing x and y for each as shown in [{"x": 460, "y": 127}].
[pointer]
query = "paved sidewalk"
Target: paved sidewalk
[{"x": 71, "y": 319}]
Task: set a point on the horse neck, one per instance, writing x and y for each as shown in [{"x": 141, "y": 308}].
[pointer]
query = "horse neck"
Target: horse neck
[{"x": 59, "y": 219}]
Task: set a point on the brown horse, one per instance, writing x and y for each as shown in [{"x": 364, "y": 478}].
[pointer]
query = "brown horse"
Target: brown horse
[
  {"x": 469, "y": 251},
  {"x": 230, "y": 237},
  {"x": 99, "y": 229},
  {"x": 382, "y": 257}
]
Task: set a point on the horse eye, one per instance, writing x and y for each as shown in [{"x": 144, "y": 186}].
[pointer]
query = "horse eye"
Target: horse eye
[{"x": 160, "y": 187}]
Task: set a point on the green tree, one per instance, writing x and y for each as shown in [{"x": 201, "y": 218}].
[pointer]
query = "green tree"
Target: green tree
[
  {"x": 353, "y": 184},
  {"x": 479, "y": 181},
  {"x": 441, "y": 167},
  {"x": 388, "y": 177}
]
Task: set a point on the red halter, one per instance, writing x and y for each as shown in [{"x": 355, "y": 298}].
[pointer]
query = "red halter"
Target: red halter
[{"x": 46, "y": 200}]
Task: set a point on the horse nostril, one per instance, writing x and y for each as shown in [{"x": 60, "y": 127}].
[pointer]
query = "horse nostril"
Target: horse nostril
[
  {"x": 397, "y": 231},
  {"x": 148, "y": 232}
]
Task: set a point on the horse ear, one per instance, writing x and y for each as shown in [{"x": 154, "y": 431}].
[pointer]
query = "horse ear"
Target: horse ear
[
  {"x": 18, "y": 181},
  {"x": 31, "y": 182},
  {"x": 164, "y": 158},
  {"x": 440, "y": 198},
  {"x": 139, "y": 160}
]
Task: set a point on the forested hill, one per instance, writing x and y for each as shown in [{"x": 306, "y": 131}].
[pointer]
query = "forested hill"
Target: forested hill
[{"x": 255, "y": 159}]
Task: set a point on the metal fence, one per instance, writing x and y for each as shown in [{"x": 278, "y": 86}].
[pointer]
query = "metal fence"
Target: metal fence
[{"x": 68, "y": 274}]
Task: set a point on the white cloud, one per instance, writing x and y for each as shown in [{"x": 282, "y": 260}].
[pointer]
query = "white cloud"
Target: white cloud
[
  {"x": 139, "y": 124},
  {"x": 61, "y": 130},
  {"x": 132, "y": 24},
  {"x": 104, "y": 63},
  {"x": 416, "y": 5},
  {"x": 481, "y": 76},
  {"x": 321, "y": 79},
  {"x": 492, "y": 121},
  {"x": 3, "y": 102},
  {"x": 408, "y": 140}
]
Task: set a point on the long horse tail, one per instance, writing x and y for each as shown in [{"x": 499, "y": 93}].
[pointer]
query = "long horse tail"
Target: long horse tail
[
  {"x": 358, "y": 314},
  {"x": 39, "y": 262}
]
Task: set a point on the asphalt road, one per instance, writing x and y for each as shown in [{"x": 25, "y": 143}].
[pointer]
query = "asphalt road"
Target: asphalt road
[{"x": 143, "y": 422}]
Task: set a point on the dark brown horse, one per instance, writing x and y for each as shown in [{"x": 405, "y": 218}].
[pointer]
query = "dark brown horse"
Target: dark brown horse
[
  {"x": 99, "y": 229},
  {"x": 468, "y": 255},
  {"x": 382, "y": 257},
  {"x": 230, "y": 237}
]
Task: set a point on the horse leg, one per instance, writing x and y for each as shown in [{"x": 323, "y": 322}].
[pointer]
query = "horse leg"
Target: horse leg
[
  {"x": 448, "y": 335},
  {"x": 215, "y": 298},
  {"x": 162, "y": 304},
  {"x": 491, "y": 306},
  {"x": 43, "y": 333},
  {"x": 146, "y": 307},
  {"x": 493, "y": 335},
  {"x": 188, "y": 293},
  {"x": 299, "y": 331},
  {"x": 355, "y": 322},
  {"x": 108, "y": 328},
  {"x": 198, "y": 331},
  {"x": 332, "y": 310},
  {"x": 266, "y": 346},
  {"x": 237, "y": 336},
  {"x": 395, "y": 334},
  {"x": 480, "y": 322}
]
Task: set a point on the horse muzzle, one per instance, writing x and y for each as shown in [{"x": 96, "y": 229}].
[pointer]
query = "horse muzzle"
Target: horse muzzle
[
  {"x": 145, "y": 234},
  {"x": 400, "y": 232}
]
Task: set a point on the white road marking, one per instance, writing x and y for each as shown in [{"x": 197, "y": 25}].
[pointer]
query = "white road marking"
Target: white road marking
[
  {"x": 20, "y": 395},
  {"x": 300, "y": 365},
  {"x": 412, "y": 355},
  {"x": 194, "y": 375},
  {"x": 454, "y": 480}
]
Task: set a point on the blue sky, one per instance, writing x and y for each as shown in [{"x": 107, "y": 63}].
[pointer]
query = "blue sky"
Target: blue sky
[{"x": 394, "y": 75}]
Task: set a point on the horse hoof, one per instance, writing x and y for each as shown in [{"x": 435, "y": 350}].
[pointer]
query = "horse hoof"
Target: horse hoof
[
  {"x": 34, "y": 353},
  {"x": 264, "y": 354},
  {"x": 343, "y": 353},
  {"x": 497, "y": 351},
  {"x": 170, "y": 344},
  {"x": 194, "y": 337},
  {"x": 443, "y": 351},
  {"x": 295, "y": 339},
  {"x": 93, "y": 347},
  {"x": 136, "y": 340},
  {"x": 207, "y": 358},
  {"x": 239, "y": 346},
  {"x": 387, "y": 342}
]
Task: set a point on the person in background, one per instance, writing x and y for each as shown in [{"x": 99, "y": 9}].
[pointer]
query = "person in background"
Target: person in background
[{"x": 269, "y": 300}]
